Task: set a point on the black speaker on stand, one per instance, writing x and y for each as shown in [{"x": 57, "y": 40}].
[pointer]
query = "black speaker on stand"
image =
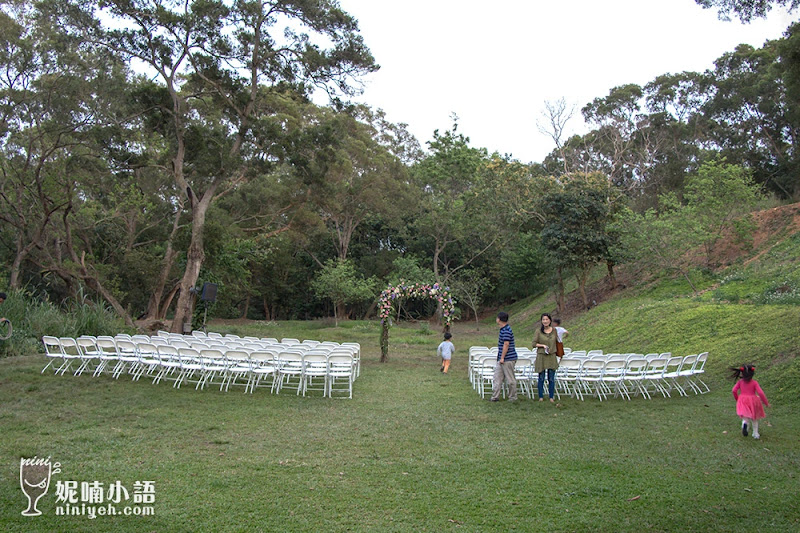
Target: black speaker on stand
[{"x": 207, "y": 296}]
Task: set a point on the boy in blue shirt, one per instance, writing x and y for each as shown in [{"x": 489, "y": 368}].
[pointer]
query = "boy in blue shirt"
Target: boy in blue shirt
[
  {"x": 506, "y": 361},
  {"x": 445, "y": 351}
]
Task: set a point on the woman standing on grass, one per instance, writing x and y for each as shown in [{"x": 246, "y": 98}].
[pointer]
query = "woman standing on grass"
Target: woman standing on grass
[{"x": 544, "y": 341}]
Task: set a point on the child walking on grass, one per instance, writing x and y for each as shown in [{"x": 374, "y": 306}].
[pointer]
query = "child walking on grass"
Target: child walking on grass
[
  {"x": 750, "y": 399},
  {"x": 445, "y": 351}
]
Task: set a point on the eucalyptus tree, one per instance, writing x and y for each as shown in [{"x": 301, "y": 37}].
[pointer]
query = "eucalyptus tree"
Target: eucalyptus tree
[
  {"x": 58, "y": 98},
  {"x": 575, "y": 229},
  {"x": 217, "y": 61},
  {"x": 455, "y": 212},
  {"x": 756, "y": 122},
  {"x": 747, "y": 10},
  {"x": 363, "y": 177}
]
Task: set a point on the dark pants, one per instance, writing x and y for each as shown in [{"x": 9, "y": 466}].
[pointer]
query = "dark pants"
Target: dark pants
[{"x": 551, "y": 383}]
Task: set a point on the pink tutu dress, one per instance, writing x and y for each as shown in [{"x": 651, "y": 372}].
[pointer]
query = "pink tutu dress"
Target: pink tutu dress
[{"x": 750, "y": 399}]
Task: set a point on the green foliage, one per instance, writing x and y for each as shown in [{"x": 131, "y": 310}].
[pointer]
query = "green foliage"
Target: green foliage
[
  {"x": 520, "y": 270},
  {"x": 339, "y": 282},
  {"x": 408, "y": 267},
  {"x": 746, "y": 10},
  {"x": 718, "y": 195},
  {"x": 33, "y": 318}
]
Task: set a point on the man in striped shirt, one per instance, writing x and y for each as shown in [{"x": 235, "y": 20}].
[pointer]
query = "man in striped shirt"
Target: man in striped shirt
[{"x": 506, "y": 361}]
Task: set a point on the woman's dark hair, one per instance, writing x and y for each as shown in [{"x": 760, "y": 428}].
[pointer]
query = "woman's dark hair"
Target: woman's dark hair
[
  {"x": 548, "y": 316},
  {"x": 744, "y": 372}
]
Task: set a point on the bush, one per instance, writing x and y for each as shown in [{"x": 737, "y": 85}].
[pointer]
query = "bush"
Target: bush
[{"x": 33, "y": 317}]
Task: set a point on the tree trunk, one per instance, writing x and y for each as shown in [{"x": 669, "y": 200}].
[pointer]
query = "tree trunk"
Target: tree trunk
[
  {"x": 371, "y": 310},
  {"x": 560, "y": 300},
  {"x": 612, "y": 279},
  {"x": 246, "y": 306},
  {"x": 341, "y": 312},
  {"x": 581, "y": 276},
  {"x": 162, "y": 313},
  {"x": 194, "y": 261},
  {"x": 267, "y": 316},
  {"x": 16, "y": 266},
  {"x": 170, "y": 254}
]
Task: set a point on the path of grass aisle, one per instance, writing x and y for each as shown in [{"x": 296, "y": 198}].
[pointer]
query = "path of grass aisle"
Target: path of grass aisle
[{"x": 414, "y": 450}]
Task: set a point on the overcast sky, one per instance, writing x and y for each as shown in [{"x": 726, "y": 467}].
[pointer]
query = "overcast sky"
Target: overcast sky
[{"x": 495, "y": 63}]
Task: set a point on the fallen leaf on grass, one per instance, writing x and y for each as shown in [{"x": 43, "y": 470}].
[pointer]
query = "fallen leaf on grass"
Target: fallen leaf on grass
[
  {"x": 748, "y": 490},
  {"x": 454, "y": 521},
  {"x": 634, "y": 498}
]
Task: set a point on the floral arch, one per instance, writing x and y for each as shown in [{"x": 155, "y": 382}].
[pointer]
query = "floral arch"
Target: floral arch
[{"x": 391, "y": 294}]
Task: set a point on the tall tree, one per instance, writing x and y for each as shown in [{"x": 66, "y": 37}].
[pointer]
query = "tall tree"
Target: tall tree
[
  {"x": 218, "y": 61},
  {"x": 452, "y": 188},
  {"x": 747, "y": 10},
  {"x": 574, "y": 232}
]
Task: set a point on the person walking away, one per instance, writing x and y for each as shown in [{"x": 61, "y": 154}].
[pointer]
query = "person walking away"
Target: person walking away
[
  {"x": 750, "y": 399},
  {"x": 562, "y": 334},
  {"x": 544, "y": 341},
  {"x": 446, "y": 350},
  {"x": 506, "y": 361}
]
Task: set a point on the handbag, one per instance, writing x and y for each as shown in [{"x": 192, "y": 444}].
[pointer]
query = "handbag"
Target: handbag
[{"x": 559, "y": 349}]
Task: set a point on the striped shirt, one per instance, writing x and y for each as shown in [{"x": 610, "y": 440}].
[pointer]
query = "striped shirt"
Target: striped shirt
[{"x": 506, "y": 335}]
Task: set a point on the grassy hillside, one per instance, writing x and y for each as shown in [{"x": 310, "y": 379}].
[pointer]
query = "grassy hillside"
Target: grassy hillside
[{"x": 747, "y": 308}]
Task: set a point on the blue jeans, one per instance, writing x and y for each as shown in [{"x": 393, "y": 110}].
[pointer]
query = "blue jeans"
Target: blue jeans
[{"x": 551, "y": 383}]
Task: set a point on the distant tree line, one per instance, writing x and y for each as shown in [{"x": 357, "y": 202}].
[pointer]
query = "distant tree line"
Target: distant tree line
[{"x": 148, "y": 148}]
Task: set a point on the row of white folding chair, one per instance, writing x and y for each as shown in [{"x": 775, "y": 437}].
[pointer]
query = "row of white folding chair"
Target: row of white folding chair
[
  {"x": 663, "y": 374},
  {"x": 303, "y": 372},
  {"x": 483, "y": 369},
  {"x": 182, "y": 364}
]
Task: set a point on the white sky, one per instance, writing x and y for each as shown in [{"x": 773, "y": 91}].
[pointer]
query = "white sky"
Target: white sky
[{"x": 495, "y": 63}]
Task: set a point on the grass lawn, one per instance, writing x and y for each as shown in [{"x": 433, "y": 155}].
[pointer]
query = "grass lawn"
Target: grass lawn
[{"x": 414, "y": 450}]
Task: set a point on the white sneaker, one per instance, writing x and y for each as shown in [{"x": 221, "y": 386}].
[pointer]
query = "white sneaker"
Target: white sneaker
[{"x": 756, "y": 436}]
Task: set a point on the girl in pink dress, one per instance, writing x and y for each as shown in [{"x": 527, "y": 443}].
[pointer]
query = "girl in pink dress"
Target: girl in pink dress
[{"x": 750, "y": 399}]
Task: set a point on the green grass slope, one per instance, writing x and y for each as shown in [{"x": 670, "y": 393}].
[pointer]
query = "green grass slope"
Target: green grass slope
[{"x": 746, "y": 311}]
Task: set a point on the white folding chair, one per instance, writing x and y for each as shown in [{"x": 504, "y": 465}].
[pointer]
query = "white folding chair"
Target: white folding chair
[
  {"x": 290, "y": 370},
  {"x": 591, "y": 376},
  {"x": 238, "y": 365},
  {"x": 70, "y": 352},
  {"x": 148, "y": 359},
  {"x": 53, "y": 352},
  {"x": 568, "y": 374},
  {"x": 699, "y": 370},
  {"x": 262, "y": 364},
  {"x": 168, "y": 362},
  {"x": 672, "y": 372},
  {"x": 523, "y": 373},
  {"x": 485, "y": 375},
  {"x": 189, "y": 360},
  {"x": 127, "y": 357},
  {"x": 89, "y": 353},
  {"x": 341, "y": 369},
  {"x": 654, "y": 373},
  {"x": 212, "y": 363},
  {"x": 315, "y": 366},
  {"x": 356, "y": 356},
  {"x": 635, "y": 371},
  {"x": 614, "y": 374}
]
